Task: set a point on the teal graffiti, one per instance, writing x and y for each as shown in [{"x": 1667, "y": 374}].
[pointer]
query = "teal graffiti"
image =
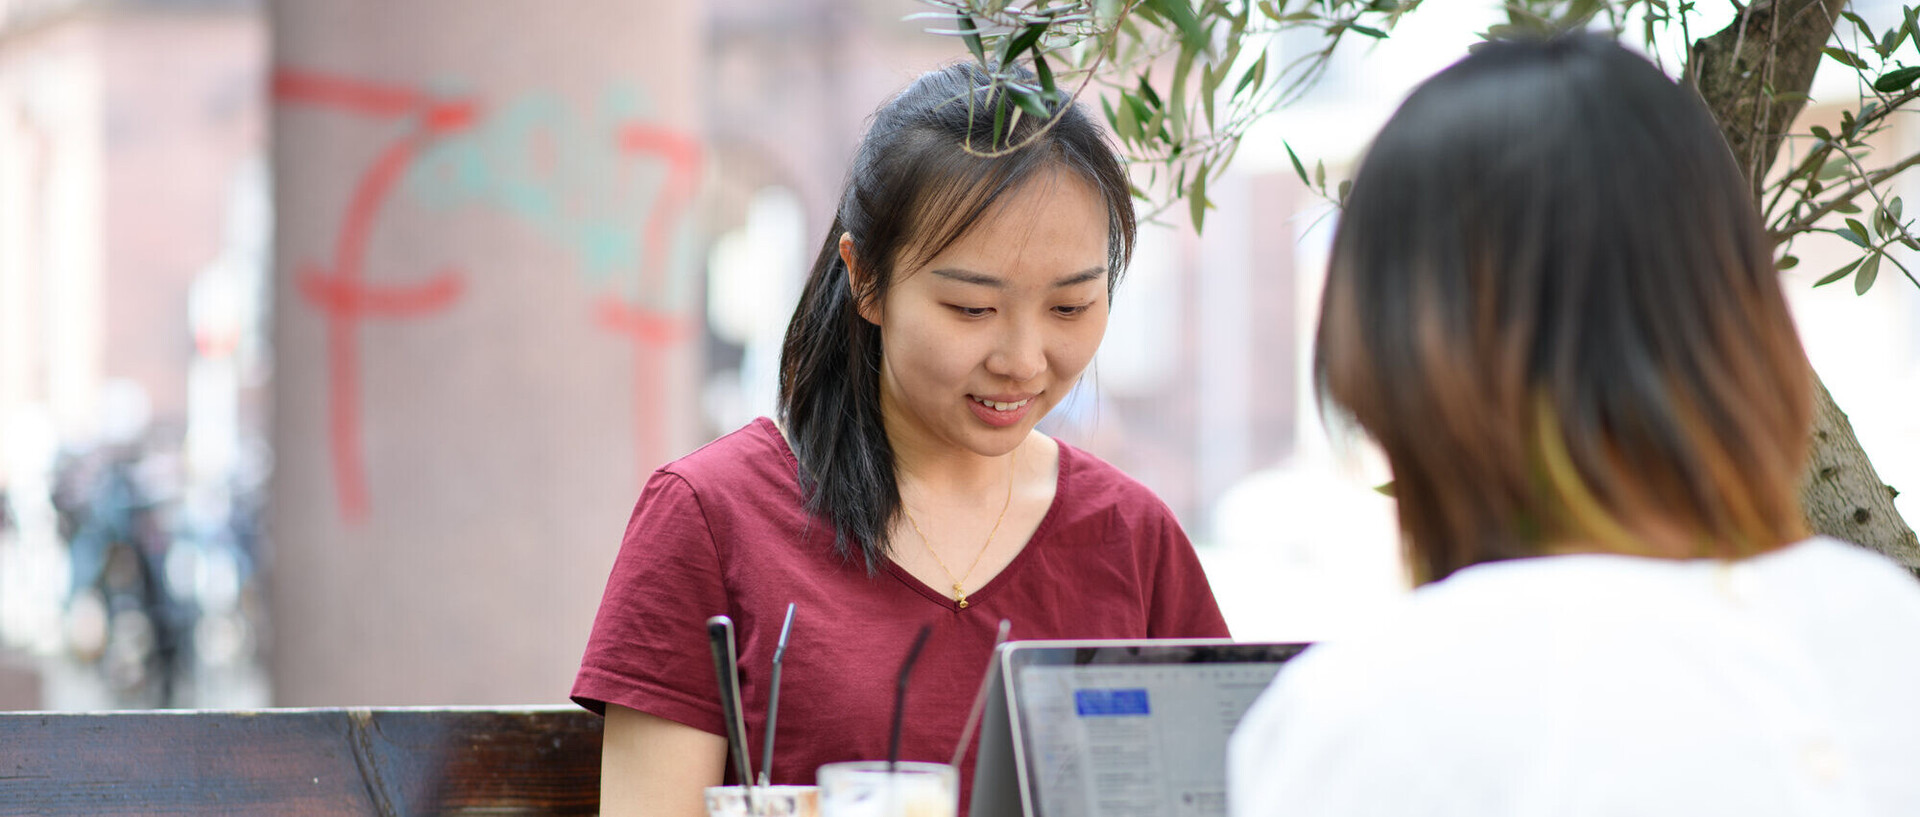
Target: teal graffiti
[{"x": 562, "y": 172}]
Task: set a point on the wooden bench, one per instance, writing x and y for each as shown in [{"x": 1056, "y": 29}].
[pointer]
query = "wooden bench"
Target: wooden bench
[{"x": 397, "y": 761}]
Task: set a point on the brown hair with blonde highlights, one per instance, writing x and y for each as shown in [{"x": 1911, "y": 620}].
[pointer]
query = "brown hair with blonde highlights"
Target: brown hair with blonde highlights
[{"x": 1551, "y": 302}]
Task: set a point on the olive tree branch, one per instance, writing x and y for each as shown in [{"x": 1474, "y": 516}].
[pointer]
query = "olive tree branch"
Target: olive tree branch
[{"x": 1867, "y": 183}]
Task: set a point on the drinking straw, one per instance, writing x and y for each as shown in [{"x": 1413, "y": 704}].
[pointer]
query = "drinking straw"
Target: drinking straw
[
  {"x": 900, "y": 695},
  {"x": 726, "y": 666},
  {"x": 773, "y": 697},
  {"x": 980, "y": 697}
]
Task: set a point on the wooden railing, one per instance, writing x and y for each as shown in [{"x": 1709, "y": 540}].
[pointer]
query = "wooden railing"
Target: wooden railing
[{"x": 397, "y": 761}]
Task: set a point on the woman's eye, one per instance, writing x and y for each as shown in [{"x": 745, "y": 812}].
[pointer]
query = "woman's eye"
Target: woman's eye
[
  {"x": 1072, "y": 311},
  {"x": 973, "y": 311}
]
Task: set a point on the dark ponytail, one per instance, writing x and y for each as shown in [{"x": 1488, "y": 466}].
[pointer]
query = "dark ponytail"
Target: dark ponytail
[{"x": 913, "y": 189}]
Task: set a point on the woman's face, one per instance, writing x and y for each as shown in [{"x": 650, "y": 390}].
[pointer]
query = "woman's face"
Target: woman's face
[{"x": 982, "y": 340}]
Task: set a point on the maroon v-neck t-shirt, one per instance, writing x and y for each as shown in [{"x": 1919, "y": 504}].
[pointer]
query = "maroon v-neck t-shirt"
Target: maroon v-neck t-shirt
[{"x": 725, "y": 530}]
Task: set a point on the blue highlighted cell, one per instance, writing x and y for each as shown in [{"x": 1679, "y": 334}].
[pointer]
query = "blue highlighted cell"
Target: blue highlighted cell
[{"x": 1107, "y": 703}]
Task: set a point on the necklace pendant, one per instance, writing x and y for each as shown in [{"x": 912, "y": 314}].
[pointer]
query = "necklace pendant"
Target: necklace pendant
[{"x": 963, "y": 602}]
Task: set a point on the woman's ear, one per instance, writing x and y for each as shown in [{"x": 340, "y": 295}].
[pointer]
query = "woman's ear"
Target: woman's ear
[{"x": 856, "y": 282}]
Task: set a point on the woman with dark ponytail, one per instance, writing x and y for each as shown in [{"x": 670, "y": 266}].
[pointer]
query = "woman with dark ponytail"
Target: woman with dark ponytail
[{"x": 960, "y": 292}]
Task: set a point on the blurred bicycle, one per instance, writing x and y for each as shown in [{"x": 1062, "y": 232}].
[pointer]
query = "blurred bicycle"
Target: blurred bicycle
[{"x": 122, "y": 617}]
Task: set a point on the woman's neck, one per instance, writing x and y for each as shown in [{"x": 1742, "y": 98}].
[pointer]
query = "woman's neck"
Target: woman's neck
[{"x": 934, "y": 467}]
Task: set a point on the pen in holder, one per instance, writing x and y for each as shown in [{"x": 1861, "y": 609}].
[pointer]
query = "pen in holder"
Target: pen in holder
[
  {"x": 773, "y": 697},
  {"x": 726, "y": 668}
]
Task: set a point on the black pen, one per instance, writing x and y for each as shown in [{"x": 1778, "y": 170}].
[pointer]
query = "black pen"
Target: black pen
[
  {"x": 773, "y": 697},
  {"x": 726, "y": 667}
]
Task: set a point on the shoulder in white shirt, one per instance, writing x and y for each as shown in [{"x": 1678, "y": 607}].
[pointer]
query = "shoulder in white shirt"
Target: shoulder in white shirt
[{"x": 1785, "y": 684}]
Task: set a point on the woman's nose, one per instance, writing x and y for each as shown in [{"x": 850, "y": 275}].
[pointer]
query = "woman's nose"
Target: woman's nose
[{"x": 1020, "y": 354}]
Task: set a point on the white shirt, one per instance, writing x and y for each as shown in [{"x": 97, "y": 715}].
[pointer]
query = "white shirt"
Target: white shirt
[{"x": 1785, "y": 684}]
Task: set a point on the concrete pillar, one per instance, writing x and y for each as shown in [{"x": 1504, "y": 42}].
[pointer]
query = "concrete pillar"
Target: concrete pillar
[{"x": 486, "y": 332}]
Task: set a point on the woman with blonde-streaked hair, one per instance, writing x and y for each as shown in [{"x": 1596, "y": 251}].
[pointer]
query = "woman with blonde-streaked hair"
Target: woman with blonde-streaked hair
[{"x": 1551, "y": 303}]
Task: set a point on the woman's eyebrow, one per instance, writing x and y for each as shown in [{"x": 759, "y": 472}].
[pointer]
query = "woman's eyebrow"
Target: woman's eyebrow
[
  {"x": 1081, "y": 277},
  {"x": 970, "y": 277},
  {"x": 982, "y": 279}
]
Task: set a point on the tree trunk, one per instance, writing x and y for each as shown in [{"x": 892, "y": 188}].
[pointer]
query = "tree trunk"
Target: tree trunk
[
  {"x": 1777, "y": 44},
  {"x": 1844, "y": 498},
  {"x": 1771, "y": 44}
]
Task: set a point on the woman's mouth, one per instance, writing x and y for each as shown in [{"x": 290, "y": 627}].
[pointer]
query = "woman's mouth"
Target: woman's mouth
[
  {"x": 999, "y": 413},
  {"x": 999, "y": 406}
]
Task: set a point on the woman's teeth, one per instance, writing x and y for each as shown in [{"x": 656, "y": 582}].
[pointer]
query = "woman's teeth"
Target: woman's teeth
[{"x": 999, "y": 406}]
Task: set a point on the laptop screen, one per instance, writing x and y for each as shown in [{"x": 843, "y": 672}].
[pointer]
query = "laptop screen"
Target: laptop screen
[{"x": 1118, "y": 728}]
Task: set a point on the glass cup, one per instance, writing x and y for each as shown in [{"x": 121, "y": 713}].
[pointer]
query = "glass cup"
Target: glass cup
[
  {"x": 772, "y": 801},
  {"x": 864, "y": 788}
]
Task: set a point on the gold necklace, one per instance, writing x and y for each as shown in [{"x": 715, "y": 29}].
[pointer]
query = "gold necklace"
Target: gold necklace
[{"x": 960, "y": 582}]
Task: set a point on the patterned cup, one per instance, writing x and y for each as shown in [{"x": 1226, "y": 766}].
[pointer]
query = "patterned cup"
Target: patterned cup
[
  {"x": 865, "y": 788},
  {"x": 767, "y": 801}
]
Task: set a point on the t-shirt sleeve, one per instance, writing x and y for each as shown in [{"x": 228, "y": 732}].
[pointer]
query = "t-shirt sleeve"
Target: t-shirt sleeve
[
  {"x": 648, "y": 650},
  {"x": 1182, "y": 603}
]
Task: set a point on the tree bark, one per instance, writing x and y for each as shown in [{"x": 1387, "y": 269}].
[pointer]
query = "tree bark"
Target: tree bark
[
  {"x": 1770, "y": 44},
  {"x": 1843, "y": 497},
  {"x": 1777, "y": 44}
]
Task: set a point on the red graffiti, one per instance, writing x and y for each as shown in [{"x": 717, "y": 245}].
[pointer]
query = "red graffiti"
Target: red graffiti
[
  {"x": 346, "y": 94},
  {"x": 682, "y": 156},
  {"x": 652, "y": 331},
  {"x": 337, "y": 289}
]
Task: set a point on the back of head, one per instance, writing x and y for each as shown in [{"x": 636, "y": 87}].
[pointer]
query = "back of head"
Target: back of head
[
  {"x": 1553, "y": 305},
  {"x": 933, "y": 163}
]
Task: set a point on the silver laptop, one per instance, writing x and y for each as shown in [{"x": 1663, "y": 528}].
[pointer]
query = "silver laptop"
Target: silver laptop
[{"x": 1115, "y": 728}]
